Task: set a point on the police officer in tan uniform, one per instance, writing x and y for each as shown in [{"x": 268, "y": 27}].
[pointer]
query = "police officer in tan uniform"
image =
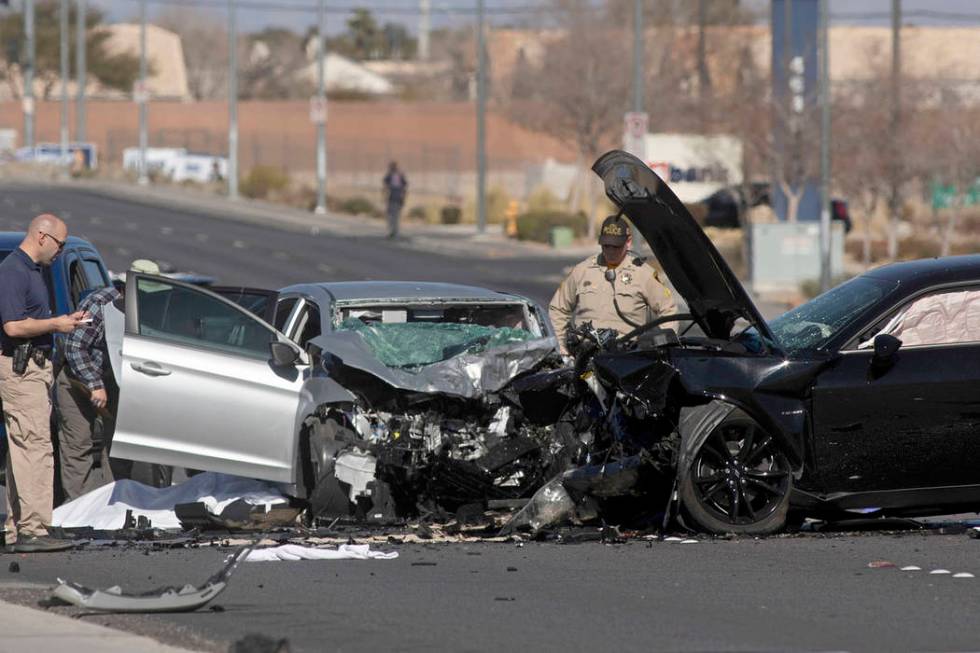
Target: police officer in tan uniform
[{"x": 587, "y": 294}]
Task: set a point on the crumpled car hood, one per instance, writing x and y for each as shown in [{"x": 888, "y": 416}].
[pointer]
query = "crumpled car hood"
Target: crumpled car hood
[
  {"x": 698, "y": 272},
  {"x": 469, "y": 376}
]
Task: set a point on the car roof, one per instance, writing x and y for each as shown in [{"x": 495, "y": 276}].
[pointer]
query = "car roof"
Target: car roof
[
  {"x": 9, "y": 240},
  {"x": 386, "y": 290},
  {"x": 922, "y": 273}
]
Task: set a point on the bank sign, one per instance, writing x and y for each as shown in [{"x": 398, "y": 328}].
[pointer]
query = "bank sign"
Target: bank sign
[{"x": 695, "y": 166}]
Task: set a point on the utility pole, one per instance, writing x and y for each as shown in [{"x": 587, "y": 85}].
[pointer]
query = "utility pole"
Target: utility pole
[
  {"x": 825, "y": 235},
  {"x": 29, "y": 73},
  {"x": 80, "y": 71},
  {"x": 142, "y": 97},
  {"x": 894, "y": 196},
  {"x": 704, "y": 76},
  {"x": 481, "y": 120},
  {"x": 636, "y": 122},
  {"x": 638, "y": 90},
  {"x": 321, "y": 112},
  {"x": 424, "y": 14},
  {"x": 232, "y": 102},
  {"x": 65, "y": 73}
]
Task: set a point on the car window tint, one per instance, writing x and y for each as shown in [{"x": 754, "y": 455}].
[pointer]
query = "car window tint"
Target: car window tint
[
  {"x": 283, "y": 309},
  {"x": 814, "y": 323},
  {"x": 93, "y": 272},
  {"x": 939, "y": 318},
  {"x": 191, "y": 317}
]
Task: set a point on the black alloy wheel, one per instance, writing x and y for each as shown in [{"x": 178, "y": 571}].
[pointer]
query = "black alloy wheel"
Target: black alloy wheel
[{"x": 739, "y": 482}]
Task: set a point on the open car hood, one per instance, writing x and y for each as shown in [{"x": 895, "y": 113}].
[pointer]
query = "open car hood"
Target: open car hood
[{"x": 713, "y": 294}]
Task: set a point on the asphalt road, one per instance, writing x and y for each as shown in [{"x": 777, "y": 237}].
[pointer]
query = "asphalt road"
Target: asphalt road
[
  {"x": 808, "y": 593},
  {"x": 239, "y": 253},
  {"x": 804, "y": 593}
]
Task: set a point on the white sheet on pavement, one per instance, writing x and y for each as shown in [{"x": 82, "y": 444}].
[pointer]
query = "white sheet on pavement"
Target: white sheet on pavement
[
  {"x": 105, "y": 507},
  {"x": 297, "y": 552}
]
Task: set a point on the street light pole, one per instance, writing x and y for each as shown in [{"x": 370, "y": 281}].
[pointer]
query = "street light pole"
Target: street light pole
[
  {"x": 638, "y": 90},
  {"x": 141, "y": 98},
  {"x": 825, "y": 235},
  {"x": 232, "y": 102},
  {"x": 29, "y": 73},
  {"x": 321, "y": 117},
  {"x": 65, "y": 72},
  {"x": 80, "y": 71},
  {"x": 481, "y": 120}
]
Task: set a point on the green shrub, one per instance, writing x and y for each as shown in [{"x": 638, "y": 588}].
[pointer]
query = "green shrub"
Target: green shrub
[
  {"x": 360, "y": 206},
  {"x": 417, "y": 213},
  {"x": 497, "y": 201},
  {"x": 536, "y": 225},
  {"x": 262, "y": 181},
  {"x": 542, "y": 200},
  {"x": 450, "y": 215}
]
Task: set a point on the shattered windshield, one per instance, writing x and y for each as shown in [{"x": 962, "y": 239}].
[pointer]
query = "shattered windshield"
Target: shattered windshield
[
  {"x": 416, "y": 344},
  {"x": 811, "y": 325}
]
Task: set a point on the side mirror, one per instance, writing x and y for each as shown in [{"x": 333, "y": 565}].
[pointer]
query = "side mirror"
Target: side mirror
[
  {"x": 886, "y": 346},
  {"x": 283, "y": 354}
]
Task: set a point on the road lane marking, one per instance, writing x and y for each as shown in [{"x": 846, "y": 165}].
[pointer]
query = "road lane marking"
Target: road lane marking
[
  {"x": 95, "y": 220},
  {"x": 911, "y": 568},
  {"x": 238, "y": 244},
  {"x": 132, "y": 226},
  {"x": 166, "y": 231},
  {"x": 122, "y": 251},
  {"x": 939, "y": 572},
  {"x": 281, "y": 255},
  {"x": 201, "y": 237},
  {"x": 324, "y": 268},
  {"x": 963, "y": 574}
]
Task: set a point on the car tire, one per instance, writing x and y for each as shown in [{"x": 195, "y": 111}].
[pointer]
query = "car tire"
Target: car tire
[
  {"x": 739, "y": 482},
  {"x": 327, "y": 496}
]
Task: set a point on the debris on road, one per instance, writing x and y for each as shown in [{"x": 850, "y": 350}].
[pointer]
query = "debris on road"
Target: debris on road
[
  {"x": 297, "y": 552},
  {"x": 164, "y": 599}
]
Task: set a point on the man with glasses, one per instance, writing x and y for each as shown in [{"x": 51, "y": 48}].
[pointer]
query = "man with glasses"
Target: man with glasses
[{"x": 25, "y": 384}]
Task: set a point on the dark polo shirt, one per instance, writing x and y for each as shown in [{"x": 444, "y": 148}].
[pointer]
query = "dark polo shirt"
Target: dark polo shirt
[{"x": 23, "y": 294}]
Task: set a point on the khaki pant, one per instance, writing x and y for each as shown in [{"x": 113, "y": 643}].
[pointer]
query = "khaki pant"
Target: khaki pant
[
  {"x": 83, "y": 439},
  {"x": 30, "y": 458}
]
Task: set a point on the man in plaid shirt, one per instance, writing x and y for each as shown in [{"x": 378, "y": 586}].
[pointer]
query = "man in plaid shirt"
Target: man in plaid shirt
[{"x": 86, "y": 392}]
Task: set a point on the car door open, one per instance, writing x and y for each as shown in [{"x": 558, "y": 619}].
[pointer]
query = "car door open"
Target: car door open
[{"x": 198, "y": 385}]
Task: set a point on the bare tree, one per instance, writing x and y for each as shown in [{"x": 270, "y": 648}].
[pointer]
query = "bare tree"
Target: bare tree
[
  {"x": 580, "y": 91},
  {"x": 958, "y": 158},
  {"x": 205, "y": 43}
]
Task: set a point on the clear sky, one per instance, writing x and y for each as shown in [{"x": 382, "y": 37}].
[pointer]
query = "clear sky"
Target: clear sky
[{"x": 299, "y": 14}]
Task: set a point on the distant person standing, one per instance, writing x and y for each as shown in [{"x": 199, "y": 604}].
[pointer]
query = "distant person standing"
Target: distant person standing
[{"x": 395, "y": 189}]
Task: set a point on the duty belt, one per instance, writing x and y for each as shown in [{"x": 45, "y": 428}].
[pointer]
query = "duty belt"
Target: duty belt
[{"x": 38, "y": 354}]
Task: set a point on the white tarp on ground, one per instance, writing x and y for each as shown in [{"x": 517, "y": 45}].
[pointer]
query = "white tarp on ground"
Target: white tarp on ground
[
  {"x": 105, "y": 507},
  {"x": 297, "y": 552}
]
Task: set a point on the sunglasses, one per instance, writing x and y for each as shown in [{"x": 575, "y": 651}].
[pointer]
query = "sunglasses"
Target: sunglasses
[{"x": 61, "y": 243}]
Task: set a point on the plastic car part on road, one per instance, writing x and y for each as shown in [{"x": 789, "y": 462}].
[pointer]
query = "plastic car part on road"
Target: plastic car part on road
[{"x": 164, "y": 599}]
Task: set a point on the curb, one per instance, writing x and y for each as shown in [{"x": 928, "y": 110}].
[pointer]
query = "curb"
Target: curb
[{"x": 27, "y": 629}]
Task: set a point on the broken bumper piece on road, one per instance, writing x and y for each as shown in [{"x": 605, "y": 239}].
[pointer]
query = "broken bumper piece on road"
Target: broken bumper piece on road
[{"x": 165, "y": 599}]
